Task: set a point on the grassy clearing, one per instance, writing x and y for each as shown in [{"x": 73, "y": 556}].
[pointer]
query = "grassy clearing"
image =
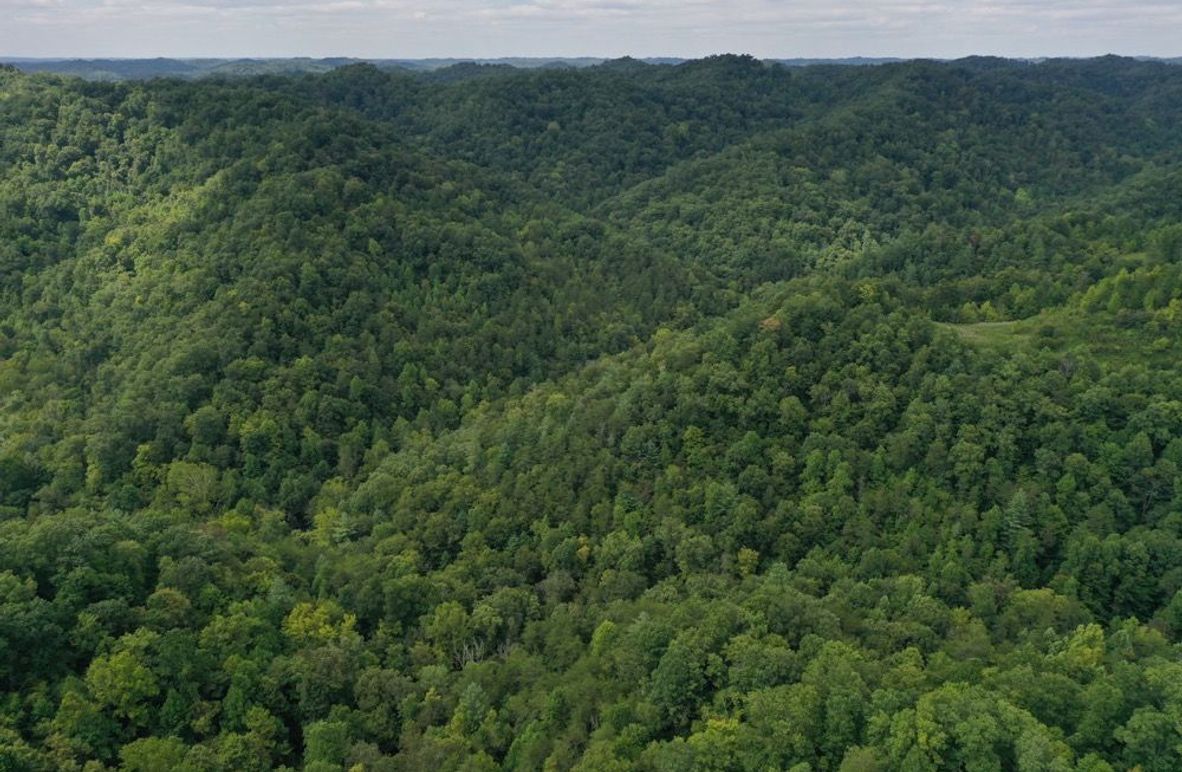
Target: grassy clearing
[
  {"x": 1095, "y": 335},
  {"x": 1000, "y": 337},
  {"x": 992, "y": 334}
]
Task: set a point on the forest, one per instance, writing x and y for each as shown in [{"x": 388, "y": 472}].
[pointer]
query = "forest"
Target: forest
[{"x": 713, "y": 416}]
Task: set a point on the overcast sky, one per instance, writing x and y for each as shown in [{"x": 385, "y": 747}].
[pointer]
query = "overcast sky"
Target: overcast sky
[{"x": 488, "y": 28}]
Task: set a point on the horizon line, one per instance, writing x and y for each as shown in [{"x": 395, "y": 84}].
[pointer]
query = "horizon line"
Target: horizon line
[{"x": 568, "y": 57}]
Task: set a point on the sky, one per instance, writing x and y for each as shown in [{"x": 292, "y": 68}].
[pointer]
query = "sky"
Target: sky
[{"x": 610, "y": 28}]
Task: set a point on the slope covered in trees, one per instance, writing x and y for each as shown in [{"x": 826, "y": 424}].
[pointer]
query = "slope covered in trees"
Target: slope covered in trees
[{"x": 712, "y": 416}]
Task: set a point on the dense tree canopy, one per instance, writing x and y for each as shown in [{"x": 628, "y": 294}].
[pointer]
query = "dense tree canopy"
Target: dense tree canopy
[{"x": 718, "y": 416}]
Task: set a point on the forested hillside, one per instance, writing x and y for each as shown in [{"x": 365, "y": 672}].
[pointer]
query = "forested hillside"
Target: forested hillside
[{"x": 711, "y": 416}]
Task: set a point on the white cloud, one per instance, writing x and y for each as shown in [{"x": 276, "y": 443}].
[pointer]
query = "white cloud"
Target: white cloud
[{"x": 406, "y": 28}]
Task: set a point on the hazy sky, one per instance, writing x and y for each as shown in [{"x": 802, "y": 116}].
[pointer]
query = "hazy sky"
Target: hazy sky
[{"x": 486, "y": 28}]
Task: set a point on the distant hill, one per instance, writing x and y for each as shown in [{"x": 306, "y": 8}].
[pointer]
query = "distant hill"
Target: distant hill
[
  {"x": 162, "y": 67},
  {"x": 112, "y": 69},
  {"x": 852, "y": 61},
  {"x": 141, "y": 69}
]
